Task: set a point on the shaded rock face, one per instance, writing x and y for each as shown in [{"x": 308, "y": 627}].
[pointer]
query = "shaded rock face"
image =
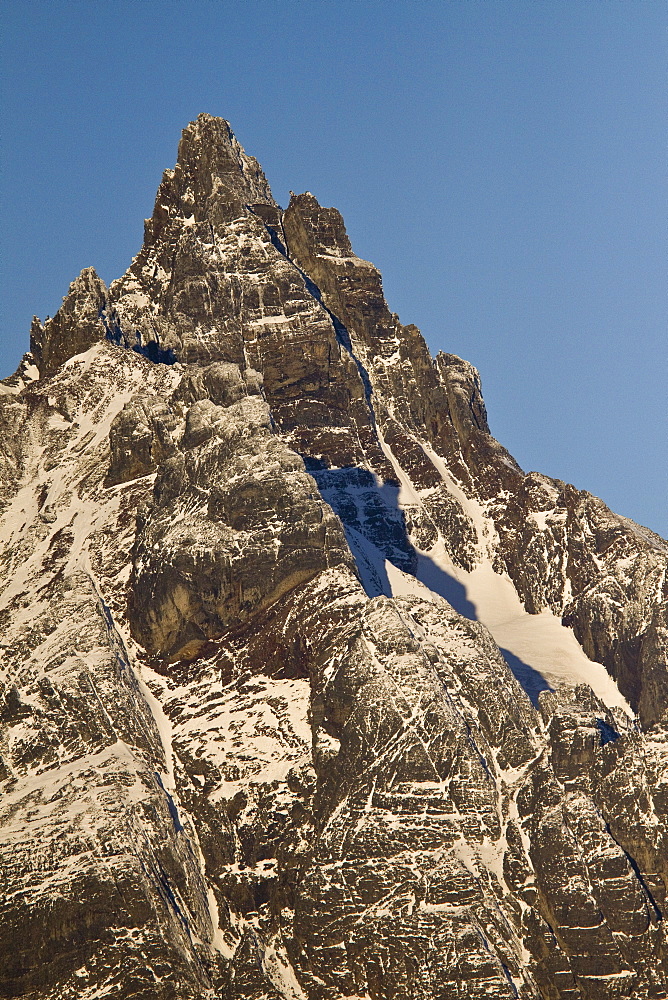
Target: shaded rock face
[
  {"x": 288, "y": 706},
  {"x": 235, "y": 522}
]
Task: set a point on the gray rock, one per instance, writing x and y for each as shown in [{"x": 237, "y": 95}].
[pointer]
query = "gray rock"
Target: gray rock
[{"x": 232, "y": 764}]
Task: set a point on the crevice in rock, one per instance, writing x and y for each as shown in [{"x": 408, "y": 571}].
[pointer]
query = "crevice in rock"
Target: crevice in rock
[
  {"x": 606, "y": 732},
  {"x": 171, "y": 804},
  {"x": 342, "y": 333},
  {"x": 638, "y": 874},
  {"x": 163, "y": 882},
  {"x": 152, "y": 351}
]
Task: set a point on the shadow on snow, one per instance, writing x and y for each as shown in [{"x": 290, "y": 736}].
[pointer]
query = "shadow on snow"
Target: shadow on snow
[{"x": 376, "y": 531}]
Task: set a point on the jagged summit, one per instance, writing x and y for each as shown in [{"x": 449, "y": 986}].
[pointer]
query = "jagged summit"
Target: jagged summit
[
  {"x": 213, "y": 178},
  {"x": 213, "y": 182},
  {"x": 309, "y": 691},
  {"x": 75, "y": 327}
]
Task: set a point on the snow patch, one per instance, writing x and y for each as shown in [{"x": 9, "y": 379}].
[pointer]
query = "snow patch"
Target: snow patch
[{"x": 536, "y": 646}]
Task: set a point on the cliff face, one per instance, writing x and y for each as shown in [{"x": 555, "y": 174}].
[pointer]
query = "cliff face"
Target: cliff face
[{"x": 310, "y": 691}]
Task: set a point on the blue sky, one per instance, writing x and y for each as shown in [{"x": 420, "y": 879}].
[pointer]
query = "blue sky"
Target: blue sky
[{"x": 502, "y": 162}]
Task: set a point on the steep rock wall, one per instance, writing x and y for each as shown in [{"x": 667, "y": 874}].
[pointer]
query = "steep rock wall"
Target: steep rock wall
[{"x": 248, "y": 748}]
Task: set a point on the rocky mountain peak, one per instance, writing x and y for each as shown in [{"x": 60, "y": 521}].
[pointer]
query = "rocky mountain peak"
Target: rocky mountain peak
[
  {"x": 213, "y": 178},
  {"x": 325, "y": 226},
  {"x": 309, "y": 692},
  {"x": 74, "y": 328}
]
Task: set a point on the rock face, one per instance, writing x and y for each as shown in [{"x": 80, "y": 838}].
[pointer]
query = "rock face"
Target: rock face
[{"x": 309, "y": 690}]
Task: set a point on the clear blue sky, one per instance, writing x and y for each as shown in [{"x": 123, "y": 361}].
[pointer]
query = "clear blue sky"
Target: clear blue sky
[{"x": 502, "y": 162}]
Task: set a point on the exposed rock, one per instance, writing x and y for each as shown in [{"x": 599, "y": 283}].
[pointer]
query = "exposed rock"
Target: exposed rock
[
  {"x": 289, "y": 709},
  {"x": 235, "y": 523},
  {"x": 77, "y": 325},
  {"x": 141, "y": 438}
]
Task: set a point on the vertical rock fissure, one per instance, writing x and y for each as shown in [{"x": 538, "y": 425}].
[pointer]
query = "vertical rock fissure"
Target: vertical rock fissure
[
  {"x": 638, "y": 874},
  {"x": 341, "y": 331}
]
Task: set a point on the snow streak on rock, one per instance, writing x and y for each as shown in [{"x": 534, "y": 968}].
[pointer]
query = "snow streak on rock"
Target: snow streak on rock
[{"x": 308, "y": 690}]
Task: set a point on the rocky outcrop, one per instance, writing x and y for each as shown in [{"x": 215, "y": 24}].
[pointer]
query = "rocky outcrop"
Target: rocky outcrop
[
  {"x": 288, "y": 706},
  {"x": 77, "y": 325},
  {"x": 235, "y": 523},
  {"x": 604, "y": 574},
  {"x": 562, "y": 548}
]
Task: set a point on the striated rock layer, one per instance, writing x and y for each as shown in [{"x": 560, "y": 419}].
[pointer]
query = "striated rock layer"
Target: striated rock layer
[{"x": 308, "y": 689}]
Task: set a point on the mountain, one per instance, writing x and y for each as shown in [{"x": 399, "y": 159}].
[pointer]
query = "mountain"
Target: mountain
[{"x": 309, "y": 690}]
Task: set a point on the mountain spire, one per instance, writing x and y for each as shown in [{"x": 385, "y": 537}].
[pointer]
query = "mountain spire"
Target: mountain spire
[{"x": 213, "y": 178}]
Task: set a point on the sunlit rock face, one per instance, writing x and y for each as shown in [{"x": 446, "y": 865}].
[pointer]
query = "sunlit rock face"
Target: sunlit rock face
[{"x": 309, "y": 690}]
